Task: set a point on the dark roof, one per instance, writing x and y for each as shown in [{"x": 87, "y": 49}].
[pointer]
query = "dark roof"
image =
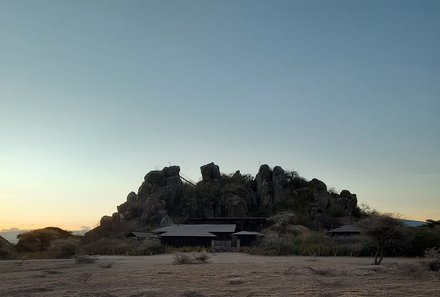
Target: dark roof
[
  {"x": 346, "y": 229},
  {"x": 198, "y": 228},
  {"x": 248, "y": 233},
  {"x": 229, "y": 218},
  {"x": 4, "y": 242},
  {"x": 139, "y": 234},
  {"x": 187, "y": 233}
]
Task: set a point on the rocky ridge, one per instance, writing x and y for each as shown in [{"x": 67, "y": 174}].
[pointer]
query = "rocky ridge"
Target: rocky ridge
[{"x": 163, "y": 198}]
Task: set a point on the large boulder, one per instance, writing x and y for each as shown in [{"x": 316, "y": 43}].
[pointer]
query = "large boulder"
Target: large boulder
[
  {"x": 318, "y": 185},
  {"x": 131, "y": 198},
  {"x": 264, "y": 186},
  {"x": 210, "y": 172},
  {"x": 278, "y": 181},
  {"x": 172, "y": 171},
  {"x": 155, "y": 180},
  {"x": 106, "y": 223}
]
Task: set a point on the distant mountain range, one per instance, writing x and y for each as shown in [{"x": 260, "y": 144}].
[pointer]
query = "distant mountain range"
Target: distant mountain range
[{"x": 412, "y": 223}]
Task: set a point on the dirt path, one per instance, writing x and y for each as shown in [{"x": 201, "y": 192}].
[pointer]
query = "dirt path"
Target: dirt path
[{"x": 228, "y": 274}]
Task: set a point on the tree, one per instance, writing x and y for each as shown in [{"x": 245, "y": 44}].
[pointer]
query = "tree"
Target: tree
[{"x": 381, "y": 228}]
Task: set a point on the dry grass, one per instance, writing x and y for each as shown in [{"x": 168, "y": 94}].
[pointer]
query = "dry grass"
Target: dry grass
[{"x": 225, "y": 275}]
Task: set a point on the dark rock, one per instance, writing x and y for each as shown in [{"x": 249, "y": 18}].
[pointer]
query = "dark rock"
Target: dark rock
[
  {"x": 237, "y": 175},
  {"x": 210, "y": 172},
  {"x": 123, "y": 207},
  {"x": 278, "y": 181},
  {"x": 132, "y": 198},
  {"x": 116, "y": 220},
  {"x": 106, "y": 223},
  {"x": 235, "y": 206},
  {"x": 322, "y": 199},
  {"x": 172, "y": 171},
  {"x": 318, "y": 185},
  {"x": 264, "y": 186},
  {"x": 155, "y": 180}
]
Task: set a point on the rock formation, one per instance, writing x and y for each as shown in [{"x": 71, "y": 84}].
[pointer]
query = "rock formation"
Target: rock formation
[{"x": 163, "y": 198}]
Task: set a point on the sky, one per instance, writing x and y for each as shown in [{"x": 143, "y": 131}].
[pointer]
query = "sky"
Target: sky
[{"x": 95, "y": 94}]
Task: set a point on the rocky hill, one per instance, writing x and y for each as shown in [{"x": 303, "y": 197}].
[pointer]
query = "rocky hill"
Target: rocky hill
[{"x": 164, "y": 197}]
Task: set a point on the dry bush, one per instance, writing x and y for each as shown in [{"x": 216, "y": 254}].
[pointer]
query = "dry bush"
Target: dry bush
[
  {"x": 64, "y": 248},
  {"x": 180, "y": 258},
  {"x": 201, "y": 258},
  {"x": 151, "y": 247},
  {"x": 84, "y": 259},
  {"x": 432, "y": 253}
]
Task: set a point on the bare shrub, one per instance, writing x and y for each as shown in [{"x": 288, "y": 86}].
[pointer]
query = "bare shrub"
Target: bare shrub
[
  {"x": 201, "y": 258},
  {"x": 180, "y": 258},
  {"x": 432, "y": 253},
  {"x": 151, "y": 247},
  {"x": 84, "y": 259},
  {"x": 64, "y": 248}
]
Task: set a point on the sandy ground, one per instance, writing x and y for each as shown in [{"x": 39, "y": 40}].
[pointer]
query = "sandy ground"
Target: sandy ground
[{"x": 226, "y": 274}]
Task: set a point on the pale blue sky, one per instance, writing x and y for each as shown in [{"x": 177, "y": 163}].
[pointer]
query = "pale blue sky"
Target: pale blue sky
[{"x": 94, "y": 94}]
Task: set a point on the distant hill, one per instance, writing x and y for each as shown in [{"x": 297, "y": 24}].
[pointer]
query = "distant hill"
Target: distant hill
[
  {"x": 11, "y": 234},
  {"x": 412, "y": 223}
]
